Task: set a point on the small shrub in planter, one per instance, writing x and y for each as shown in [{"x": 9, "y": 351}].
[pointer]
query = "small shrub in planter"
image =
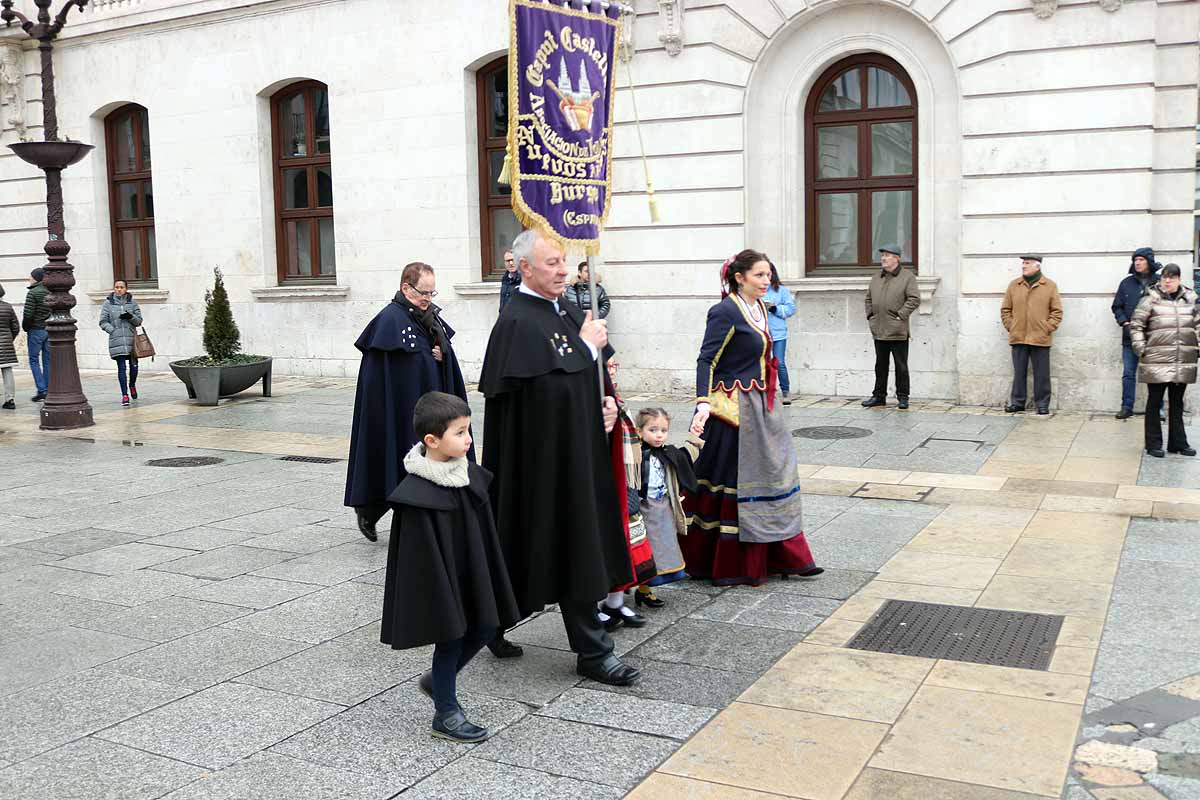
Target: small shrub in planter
[{"x": 224, "y": 371}]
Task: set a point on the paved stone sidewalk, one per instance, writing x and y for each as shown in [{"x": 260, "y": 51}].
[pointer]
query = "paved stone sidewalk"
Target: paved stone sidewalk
[{"x": 212, "y": 632}]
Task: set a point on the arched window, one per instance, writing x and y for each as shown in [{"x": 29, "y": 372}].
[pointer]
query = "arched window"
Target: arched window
[
  {"x": 303, "y": 183},
  {"x": 498, "y": 226},
  {"x": 860, "y": 164},
  {"x": 131, "y": 195}
]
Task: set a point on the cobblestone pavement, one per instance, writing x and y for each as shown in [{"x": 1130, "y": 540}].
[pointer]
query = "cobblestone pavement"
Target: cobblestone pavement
[{"x": 212, "y": 631}]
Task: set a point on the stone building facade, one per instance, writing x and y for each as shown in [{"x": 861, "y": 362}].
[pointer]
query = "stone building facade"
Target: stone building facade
[{"x": 974, "y": 130}]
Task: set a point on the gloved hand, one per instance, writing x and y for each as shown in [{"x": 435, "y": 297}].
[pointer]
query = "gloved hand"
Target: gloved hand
[{"x": 126, "y": 315}]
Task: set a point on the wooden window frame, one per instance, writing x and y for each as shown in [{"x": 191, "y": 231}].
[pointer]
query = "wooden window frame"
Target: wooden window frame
[
  {"x": 485, "y": 146},
  {"x": 142, "y": 224},
  {"x": 310, "y": 163},
  {"x": 863, "y": 185}
]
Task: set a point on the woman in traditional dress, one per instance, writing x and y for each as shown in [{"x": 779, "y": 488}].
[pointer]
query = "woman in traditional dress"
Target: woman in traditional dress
[{"x": 745, "y": 521}]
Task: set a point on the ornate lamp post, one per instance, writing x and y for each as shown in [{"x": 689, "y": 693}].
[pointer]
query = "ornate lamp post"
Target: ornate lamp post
[{"x": 65, "y": 405}]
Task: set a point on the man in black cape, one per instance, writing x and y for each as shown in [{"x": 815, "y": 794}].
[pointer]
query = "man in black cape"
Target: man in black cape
[
  {"x": 406, "y": 352},
  {"x": 546, "y": 442}
]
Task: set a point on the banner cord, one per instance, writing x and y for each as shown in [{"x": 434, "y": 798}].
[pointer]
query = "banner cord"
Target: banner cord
[{"x": 637, "y": 124}]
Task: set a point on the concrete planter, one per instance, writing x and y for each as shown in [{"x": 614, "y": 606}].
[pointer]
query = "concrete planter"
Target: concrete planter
[{"x": 207, "y": 385}]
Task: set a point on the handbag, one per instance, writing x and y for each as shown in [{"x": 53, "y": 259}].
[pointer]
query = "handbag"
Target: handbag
[{"x": 142, "y": 346}]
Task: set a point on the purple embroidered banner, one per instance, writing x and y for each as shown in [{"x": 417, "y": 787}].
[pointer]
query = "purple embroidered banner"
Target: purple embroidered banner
[{"x": 561, "y": 70}]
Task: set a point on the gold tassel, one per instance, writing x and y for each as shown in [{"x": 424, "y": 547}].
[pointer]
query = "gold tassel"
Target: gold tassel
[
  {"x": 654, "y": 218},
  {"x": 505, "y": 178}
]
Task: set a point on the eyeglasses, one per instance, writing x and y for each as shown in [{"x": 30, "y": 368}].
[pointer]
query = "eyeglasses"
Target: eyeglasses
[{"x": 429, "y": 295}]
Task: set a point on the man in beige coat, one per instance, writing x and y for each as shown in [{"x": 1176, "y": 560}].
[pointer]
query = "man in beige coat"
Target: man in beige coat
[
  {"x": 1031, "y": 312},
  {"x": 891, "y": 299}
]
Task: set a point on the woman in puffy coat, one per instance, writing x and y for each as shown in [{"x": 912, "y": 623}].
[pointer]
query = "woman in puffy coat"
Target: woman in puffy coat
[
  {"x": 119, "y": 318},
  {"x": 579, "y": 293},
  {"x": 1165, "y": 333}
]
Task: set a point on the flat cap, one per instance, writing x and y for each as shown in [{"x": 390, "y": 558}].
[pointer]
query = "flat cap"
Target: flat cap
[
  {"x": 894, "y": 249},
  {"x": 1032, "y": 258}
]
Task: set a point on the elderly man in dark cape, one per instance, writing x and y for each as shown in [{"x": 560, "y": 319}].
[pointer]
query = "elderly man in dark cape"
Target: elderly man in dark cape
[
  {"x": 546, "y": 441},
  {"x": 406, "y": 352}
]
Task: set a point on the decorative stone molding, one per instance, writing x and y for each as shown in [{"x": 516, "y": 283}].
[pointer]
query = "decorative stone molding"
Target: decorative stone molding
[
  {"x": 1044, "y": 9},
  {"x": 478, "y": 289},
  {"x": 927, "y": 285},
  {"x": 1110, "y": 5},
  {"x": 287, "y": 293},
  {"x": 625, "y": 43},
  {"x": 12, "y": 89},
  {"x": 670, "y": 25},
  {"x": 143, "y": 296}
]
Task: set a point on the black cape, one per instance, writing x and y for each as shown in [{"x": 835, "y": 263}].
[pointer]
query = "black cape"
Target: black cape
[
  {"x": 672, "y": 456},
  {"x": 397, "y": 368},
  {"x": 445, "y": 571},
  {"x": 554, "y": 495}
]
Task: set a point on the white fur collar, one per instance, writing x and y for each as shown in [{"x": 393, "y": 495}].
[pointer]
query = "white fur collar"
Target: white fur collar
[{"x": 451, "y": 474}]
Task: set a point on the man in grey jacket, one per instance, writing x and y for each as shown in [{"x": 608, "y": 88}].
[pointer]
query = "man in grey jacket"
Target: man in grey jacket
[{"x": 891, "y": 299}]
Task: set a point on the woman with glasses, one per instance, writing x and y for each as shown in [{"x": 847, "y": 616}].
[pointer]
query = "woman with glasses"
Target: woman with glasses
[{"x": 406, "y": 353}]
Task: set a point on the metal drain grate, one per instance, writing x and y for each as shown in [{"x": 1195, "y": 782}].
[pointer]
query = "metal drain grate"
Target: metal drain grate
[
  {"x": 976, "y": 635},
  {"x": 185, "y": 461},
  {"x": 831, "y": 432},
  {"x": 310, "y": 459}
]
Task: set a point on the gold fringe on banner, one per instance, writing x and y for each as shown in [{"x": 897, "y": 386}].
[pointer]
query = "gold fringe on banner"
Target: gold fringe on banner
[
  {"x": 505, "y": 178},
  {"x": 637, "y": 124}
]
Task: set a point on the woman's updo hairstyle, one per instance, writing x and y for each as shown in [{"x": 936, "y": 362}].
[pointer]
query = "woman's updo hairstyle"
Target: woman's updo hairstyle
[{"x": 741, "y": 263}]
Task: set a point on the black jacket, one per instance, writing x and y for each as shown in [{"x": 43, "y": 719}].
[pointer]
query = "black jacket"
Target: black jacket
[
  {"x": 1132, "y": 289},
  {"x": 509, "y": 282},
  {"x": 579, "y": 294}
]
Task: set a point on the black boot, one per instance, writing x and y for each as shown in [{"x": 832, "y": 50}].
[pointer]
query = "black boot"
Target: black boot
[
  {"x": 901, "y": 403},
  {"x": 1183, "y": 451},
  {"x": 1125, "y": 413},
  {"x": 871, "y": 402}
]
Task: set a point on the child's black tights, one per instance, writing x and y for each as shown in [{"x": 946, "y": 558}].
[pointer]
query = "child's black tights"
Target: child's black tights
[{"x": 448, "y": 660}]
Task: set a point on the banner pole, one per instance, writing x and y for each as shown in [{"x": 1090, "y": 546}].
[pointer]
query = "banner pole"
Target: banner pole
[{"x": 591, "y": 262}]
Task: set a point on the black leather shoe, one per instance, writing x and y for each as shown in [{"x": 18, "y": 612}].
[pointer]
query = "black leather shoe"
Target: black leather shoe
[
  {"x": 611, "y": 620},
  {"x": 628, "y": 616},
  {"x": 787, "y": 401},
  {"x": 811, "y": 573},
  {"x": 611, "y": 671},
  {"x": 902, "y": 403},
  {"x": 1011, "y": 409},
  {"x": 455, "y": 726},
  {"x": 9, "y": 405},
  {"x": 1186, "y": 451},
  {"x": 37, "y": 398},
  {"x": 366, "y": 528},
  {"x": 1125, "y": 413},
  {"x": 871, "y": 402},
  {"x": 649, "y": 599},
  {"x": 1156, "y": 453},
  {"x": 503, "y": 648},
  {"x": 1043, "y": 412}
]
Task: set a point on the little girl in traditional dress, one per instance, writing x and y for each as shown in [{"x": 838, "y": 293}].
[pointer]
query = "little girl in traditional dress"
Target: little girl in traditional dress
[{"x": 666, "y": 472}]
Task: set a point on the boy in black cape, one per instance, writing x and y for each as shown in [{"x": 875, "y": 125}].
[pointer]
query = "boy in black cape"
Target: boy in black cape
[
  {"x": 546, "y": 441},
  {"x": 446, "y": 583}
]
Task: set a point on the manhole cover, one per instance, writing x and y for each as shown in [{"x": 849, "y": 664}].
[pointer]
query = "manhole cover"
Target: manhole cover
[
  {"x": 185, "y": 461},
  {"x": 310, "y": 459},
  {"x": 831, "y": 432},
  {"x": 977, "y": 635}
]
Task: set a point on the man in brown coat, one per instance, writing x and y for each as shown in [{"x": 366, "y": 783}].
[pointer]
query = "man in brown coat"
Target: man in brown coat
[
  {"x": 1031, "y": 312},
  {"x": 891, "y": 299}
]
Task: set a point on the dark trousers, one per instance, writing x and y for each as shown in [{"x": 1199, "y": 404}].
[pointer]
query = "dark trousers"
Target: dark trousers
[
  {"x": 133, "y": 372},
  {"x": 1176, "y": 435},
  {"x": 1129, "y": 377},
  {"x": 371, "y": 514},
  {"x": 1023, "y": 355},
  {"x": 897, "y": 349},
  {"x": 587, "y": 636},
  {"x": 448, "y": 660}
]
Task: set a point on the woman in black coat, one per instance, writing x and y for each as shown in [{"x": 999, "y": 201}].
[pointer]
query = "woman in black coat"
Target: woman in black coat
[{"x": 10, "y": 328}]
